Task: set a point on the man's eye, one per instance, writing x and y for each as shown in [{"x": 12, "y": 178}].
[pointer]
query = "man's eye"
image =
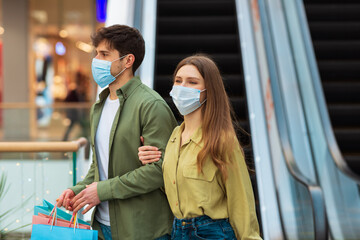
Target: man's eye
[
  {"x": 193, "y": 82},
  {"x": 177, "y": 81}
]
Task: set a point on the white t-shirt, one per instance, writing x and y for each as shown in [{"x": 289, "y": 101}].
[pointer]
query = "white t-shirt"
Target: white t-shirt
[{"x": 102, "y": 142}]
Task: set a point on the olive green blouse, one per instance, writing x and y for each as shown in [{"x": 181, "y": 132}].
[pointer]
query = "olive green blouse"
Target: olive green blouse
[{"x": 192, "y": 194}]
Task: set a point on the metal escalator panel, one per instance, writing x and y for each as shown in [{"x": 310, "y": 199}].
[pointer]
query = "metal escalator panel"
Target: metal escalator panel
[
  {"x": 339, "y": 183},
  {"x": 335, "y": 30}
]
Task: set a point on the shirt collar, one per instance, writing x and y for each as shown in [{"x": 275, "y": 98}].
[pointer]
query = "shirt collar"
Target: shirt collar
[
  {"x": 195, "y": 137},
  {"x": 129, "y": 87}
]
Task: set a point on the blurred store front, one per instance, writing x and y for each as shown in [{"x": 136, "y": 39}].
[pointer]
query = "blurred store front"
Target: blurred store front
[{"x": 46, "y": 86}]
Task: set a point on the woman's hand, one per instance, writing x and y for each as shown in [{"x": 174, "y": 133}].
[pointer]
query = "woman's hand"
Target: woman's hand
[{"x": 148, "y": 154}]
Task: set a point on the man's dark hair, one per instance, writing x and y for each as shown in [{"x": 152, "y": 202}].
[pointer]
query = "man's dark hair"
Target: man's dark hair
[{"x": 124, "y": 39}]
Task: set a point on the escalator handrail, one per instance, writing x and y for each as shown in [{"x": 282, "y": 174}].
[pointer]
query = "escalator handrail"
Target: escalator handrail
[
  {"x": 315, "y": 192},
  {"x": 320, "y": 99}
]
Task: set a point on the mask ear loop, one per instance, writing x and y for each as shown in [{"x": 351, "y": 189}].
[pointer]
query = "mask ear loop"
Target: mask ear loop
[
  {"x": 121, "y": 70},
  {"x": 120, "y": 73},
  {"x": 205, "y": 99},
  {"x": 120, "y": 58}
]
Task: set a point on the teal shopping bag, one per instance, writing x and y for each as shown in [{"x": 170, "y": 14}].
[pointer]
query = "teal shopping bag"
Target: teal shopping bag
[
  {"x": 48, "y": 232},
  {"x": 47, "y": 207}
]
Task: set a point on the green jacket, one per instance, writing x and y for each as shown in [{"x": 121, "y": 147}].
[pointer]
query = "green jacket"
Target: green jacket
[{"x": 137, "y": 205}]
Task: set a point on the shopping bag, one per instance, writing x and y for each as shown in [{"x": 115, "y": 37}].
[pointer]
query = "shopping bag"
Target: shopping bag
[
  {"x": 54, "y": 231},
  {"x": 48, "y": 207},
  {"x": 48, "y": 232},
  {"x": 46, "y": 220}
]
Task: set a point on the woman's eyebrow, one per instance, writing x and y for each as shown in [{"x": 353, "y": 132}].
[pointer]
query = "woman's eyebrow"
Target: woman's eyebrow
[{"x": 193, "y": 78}]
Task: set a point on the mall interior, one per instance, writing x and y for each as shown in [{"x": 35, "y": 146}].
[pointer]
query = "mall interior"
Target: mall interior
[{"x": 291, "y": 69}]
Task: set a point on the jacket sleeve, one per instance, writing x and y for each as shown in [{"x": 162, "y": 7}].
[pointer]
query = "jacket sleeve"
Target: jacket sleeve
[
  {"x": 157, "y": 122},
  {"x": 87, "y": 180},
  {"x": 240, "y": 198}
]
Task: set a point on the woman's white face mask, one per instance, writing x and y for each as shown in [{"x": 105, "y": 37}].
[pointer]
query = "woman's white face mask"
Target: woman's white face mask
[{"x": 186, "y": 99}]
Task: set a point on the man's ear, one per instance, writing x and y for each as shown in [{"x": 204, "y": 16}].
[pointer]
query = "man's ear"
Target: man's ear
[{"x": 130, "y": 59}]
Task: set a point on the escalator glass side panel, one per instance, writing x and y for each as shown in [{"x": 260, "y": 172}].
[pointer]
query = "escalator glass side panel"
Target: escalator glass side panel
[
  {"x": 341, "y": 193},
  {"x": 293, "y": 199}
]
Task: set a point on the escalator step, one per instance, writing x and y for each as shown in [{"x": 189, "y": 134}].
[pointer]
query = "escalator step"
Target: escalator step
[
  {"x": 239, "y": 106},
  {"x": 325, "y": 2},
  {"x": 196, "y": 8},
  {"x": 234, "y": 85},
  {"x": 353, "y": 162},
  {"x": 335, "y": 30},
  {"x": 339, "y": 70},
  {"x": 344, "y": 115},
  {"x": 333, "y": 12},
  {"x": 337, "y": 50},
  {"x": 342, "y": 92},
  {"x": 348, "y": 139},
  {"x": 214, "y": 43},
  {"x": 196, "y": 25}
]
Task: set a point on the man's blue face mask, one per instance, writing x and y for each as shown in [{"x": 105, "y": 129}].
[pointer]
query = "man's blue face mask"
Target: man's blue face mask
[{"x": 101, "y": 71}]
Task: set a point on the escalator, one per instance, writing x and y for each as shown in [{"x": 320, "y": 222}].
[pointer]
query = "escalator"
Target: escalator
[
  {"x": 187, "y": 27},
  {"x": 335, "y": 30},
  {"x": 336, "y": 66}
]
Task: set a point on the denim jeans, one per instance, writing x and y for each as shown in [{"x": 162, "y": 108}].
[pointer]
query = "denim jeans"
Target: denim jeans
[
  {"x": 165, "y": 237},
  {"x": 106, "y": 231},
  {"x": 202, "y": 227}
]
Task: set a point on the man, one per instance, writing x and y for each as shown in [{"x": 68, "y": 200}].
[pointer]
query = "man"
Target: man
[{"x": 127, "y": 195}]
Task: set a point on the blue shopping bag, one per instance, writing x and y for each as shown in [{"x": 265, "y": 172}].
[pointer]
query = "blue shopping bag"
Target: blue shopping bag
[
  {"x": 48, "y": 232},
  {"x": 47, "y": 207}
]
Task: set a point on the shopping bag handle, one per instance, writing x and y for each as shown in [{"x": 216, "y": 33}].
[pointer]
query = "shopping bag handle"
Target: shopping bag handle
[
  {"x": 53, "y": 218},
  {"x": 75, "y": 218}
]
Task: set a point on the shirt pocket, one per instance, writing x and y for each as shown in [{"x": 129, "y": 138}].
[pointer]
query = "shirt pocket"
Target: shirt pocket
[{"x": 200, "y": 184}]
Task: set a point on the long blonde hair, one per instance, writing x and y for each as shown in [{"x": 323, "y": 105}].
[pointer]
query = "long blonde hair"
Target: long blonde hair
[{"x": 218, "y": 132}]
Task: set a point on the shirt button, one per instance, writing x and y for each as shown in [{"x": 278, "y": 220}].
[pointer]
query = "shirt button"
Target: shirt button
[
  {"x": 174, "y": 182},
  {"x": 176, "y": 203}
]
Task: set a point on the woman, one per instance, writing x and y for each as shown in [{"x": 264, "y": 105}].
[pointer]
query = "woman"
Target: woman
[{"x": 205, "y": 175}]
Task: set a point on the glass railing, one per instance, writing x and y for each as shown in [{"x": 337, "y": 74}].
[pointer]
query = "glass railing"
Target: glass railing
[
  {"x": 56, "y": 122},
  {"x": 35, "y": 171},
  {"x": 340, "y": 185}
]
